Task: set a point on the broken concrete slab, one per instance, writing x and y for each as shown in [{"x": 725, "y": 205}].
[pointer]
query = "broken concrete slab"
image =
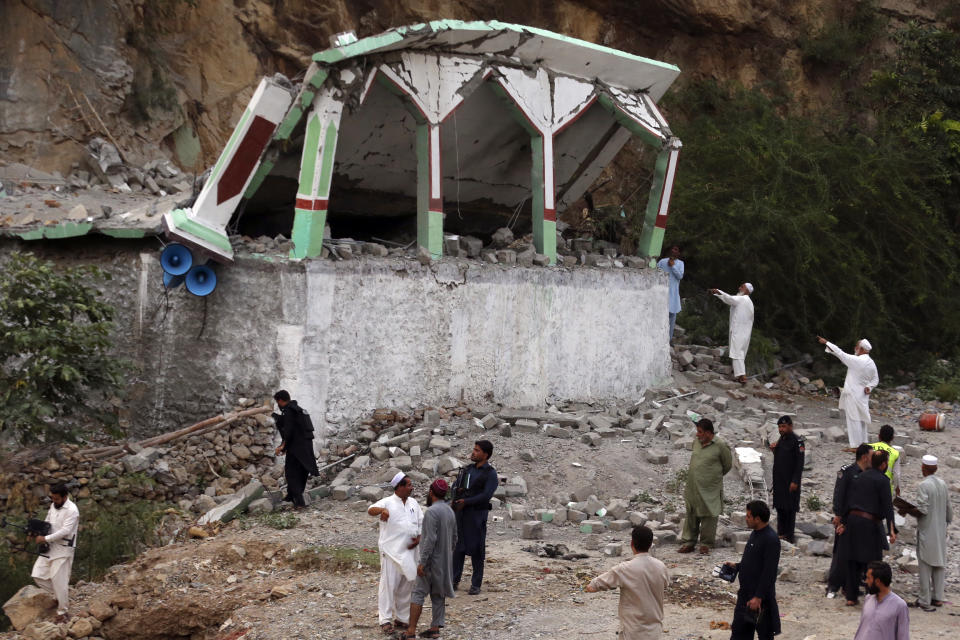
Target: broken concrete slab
[{"x": 236, "y": 505}]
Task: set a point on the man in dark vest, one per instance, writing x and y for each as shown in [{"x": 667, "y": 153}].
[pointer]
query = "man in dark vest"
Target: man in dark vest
[
  {"x": 838, "y": 562},
  {"x": 296, "y": 442},
  {"x": 473, "y": 489},
  {"x": 788, "y": 453}
]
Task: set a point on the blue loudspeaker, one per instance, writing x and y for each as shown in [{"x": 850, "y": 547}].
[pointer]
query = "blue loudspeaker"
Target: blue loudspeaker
[
  {"x": 201, "y": 280},
  {"x": 176, "y": 259},
  {"x": 172, "y": 282}
]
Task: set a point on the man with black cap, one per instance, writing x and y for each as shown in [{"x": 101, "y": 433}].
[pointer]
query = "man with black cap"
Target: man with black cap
[
  {"x": 788, "y": 453},
  {"x": 837, "y": 577},
  {"x": 473, "y": 489},
  {"x": 435, "y": 571},
  {"x": 296, "y": 442}
]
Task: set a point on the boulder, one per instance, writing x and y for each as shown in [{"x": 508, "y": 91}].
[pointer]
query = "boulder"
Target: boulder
[{"x": 28, "y": 604}]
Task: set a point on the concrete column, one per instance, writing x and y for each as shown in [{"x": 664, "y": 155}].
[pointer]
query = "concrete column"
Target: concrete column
[
  {"x": 543, "y": 194},
  {"x": 655, "y": 218},
  {"x": 316, "y": 173},
  {"x": 429, "y": 189}
]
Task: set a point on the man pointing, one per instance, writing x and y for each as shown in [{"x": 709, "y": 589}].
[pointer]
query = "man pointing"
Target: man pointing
[
  {"x": 861, "y": 380},
  {"x": 741, "y": 326}
]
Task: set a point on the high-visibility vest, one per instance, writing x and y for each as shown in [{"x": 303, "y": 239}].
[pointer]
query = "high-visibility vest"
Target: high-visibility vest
[{"x": 892, "y": 460}]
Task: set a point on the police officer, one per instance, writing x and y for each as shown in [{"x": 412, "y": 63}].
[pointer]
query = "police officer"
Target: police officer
[
  {"x": 788, "y": 453},
  {"x": 838, "y": 563},
  {"x": 868, "y": 504}
]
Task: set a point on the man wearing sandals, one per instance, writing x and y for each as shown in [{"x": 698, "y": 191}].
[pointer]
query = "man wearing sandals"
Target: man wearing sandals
[
  {"x": 709, "y": 462},
  {"x": 933, "y": 514},
  {"x": 435, "y": 571},
  {"x": 400, "y": 521}
]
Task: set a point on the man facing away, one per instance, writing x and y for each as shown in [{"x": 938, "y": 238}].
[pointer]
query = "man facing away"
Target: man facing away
[
  {"x": 473, "y": 489},
  {"x": 435, "y": 571},
  {"x": 672, "y": 265},
  {"x": 756, "y": 610},
  {"x": 400, "y": 522},
  {"x": 741, "y": 326},
  {"x": 296, "y": 442},
  {"x": 933, "y": 513},
  {"x": 868, "y": 504},
  {"x": 788, "y": 454},
  {"x": 642, "y": 581},
  {"x": 861, "y": 380},
  {"x": 837, "y": 577},
  {"x": 893, "y": 459},
  {"x": 52, "y": 574},
  {"x": 703, "y": 495},
  {"x": 885, "y": 615}
]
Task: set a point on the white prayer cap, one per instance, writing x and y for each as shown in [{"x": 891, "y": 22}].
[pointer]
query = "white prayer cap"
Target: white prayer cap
[
  {"x": 397, "y": 479},
  {"x": 748, "y": 286},
  {"x": 865, "y": 344},
  {"x": 929, "y": 460}
]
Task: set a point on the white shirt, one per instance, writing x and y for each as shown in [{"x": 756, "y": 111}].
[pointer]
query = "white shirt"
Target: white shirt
[
  {"x": 741, "y": 323},
  {"x": 404, "y": 523},
  {"x": 861, "y": 373}
]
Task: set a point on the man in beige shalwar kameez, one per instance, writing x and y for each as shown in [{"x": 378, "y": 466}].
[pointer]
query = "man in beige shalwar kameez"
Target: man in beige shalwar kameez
[{"x": 642, "y": 580}]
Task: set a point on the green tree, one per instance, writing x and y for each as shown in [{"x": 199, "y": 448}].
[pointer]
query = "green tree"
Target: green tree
[{"x": 55, "y": 364}]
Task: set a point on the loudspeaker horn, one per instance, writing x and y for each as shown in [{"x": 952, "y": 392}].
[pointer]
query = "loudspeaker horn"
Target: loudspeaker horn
[
  {"x": 176, "y": 259},
  {"x": 172, "y": 282},
  {"x": 201, "y": 280}
]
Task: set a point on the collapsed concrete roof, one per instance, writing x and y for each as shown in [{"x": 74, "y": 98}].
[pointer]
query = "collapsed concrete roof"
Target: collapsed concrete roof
[{"x": 491, "y": 114}]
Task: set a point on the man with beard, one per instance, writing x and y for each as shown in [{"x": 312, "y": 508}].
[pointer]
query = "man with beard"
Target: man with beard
[
  {"x": 473, "y": 489},
  {"x": 52, "y": 573},
  {"x": 885, "y": 615},
  {"x": 741, "y": 326},
  {"x": 756, "y": 610},
  {"x": 868, "y": 504},
  {"x": 296, "y": 442},
  {"x": 861, "y": 380},
  {"x": 838, "y": 563},
  {"x": 435, "y": 571},
  {"x": 788, "y": 453}
]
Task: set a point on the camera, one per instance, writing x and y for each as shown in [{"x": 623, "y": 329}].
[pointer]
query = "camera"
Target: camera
[{"x": 725, "y": 572}]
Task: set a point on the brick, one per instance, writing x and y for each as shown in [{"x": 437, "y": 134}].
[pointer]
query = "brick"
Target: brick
[
  {"x": 612, "y": 550},
  {"x": 592, "y": 526},
  {"x": 545, "y": 515}
]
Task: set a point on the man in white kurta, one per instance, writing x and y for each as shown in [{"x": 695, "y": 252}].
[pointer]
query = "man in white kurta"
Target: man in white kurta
[
  {"x": 741, "y": 326},
  {"x": 400, "y": 521},
  {"x": 52, "y": 573},
  {"x": 642, "y": 581},
  {"x": 933, "y": 514},
  {"x": 861, "y": 380}
]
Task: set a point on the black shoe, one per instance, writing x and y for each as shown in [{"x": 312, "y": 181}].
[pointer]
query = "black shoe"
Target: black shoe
[
  {"x": 456, "y": 585},
  {"x": 473, "y": 591}
]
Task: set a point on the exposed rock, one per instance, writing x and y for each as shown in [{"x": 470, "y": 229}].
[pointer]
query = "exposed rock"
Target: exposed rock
[{"x": 28, "y": 604}]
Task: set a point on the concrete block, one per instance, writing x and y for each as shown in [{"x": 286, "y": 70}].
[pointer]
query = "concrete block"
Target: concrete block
[
  {"x": 544, "y": 515},
  {"x": 620, "y": 525},
  {"x": 523, "y": 425},
  {"x": 665, "y": 536},
  {"x": 404, "y": 463},
  {"x": 576, "y": 516},
  {"x": 637, "y": 518},
  {"x": 517, "y": 512},
  {"x": 415, "y": 455},
  {"x": 342, "y": 493},
  {"x": 656, "y": 456},
  {"x": 617, "y": 508},
  {"x": 685, "y": 358},
  {"x": 236, "y": 505},
  {"x": 440, "y": 444},
  {"x": 502, "y": 237},
  {"x": 559, "y": 515},
  {"x": 720, "y": 403},
  {"x": 371, "y": 494},
  {"x": 815, "y": 530},
  {"x": 260, "y": 505},
  {"x": 316, "y": 493},
  {"x": 600, "y": 421},
  {"x": 360, "y": 463},
  {"x": 471, "y": 245},
  {"x": 431, "y": 418},
  {"x": 612, "y": 550},
  {"x": 506, "y": 431},
  {"x": 591, "y": 438},
  {"x": 915, "y": 450},
  {"x": 507, "y": 256},
  {"x": 952, "y": 461},
  {"x": 489, "y": 421},
  {"x": 532, "y": 530},
  {"x": 835, "y": 434},
  {"x": 592, "y": 526},
  {"x": 555, "y": 431},
  {"x": 448, "y": 464},
  {"x": 526, "y": 455}
]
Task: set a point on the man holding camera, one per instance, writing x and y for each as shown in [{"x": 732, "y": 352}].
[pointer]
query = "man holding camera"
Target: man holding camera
[
  {"x": 473, "y": 489},
  {"x": 756, "y": 610},
  {"x": 52, "y": 573}
]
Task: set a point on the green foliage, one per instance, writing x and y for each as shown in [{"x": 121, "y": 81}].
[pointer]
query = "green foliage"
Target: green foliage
[
  {"x": 54, "y": 347},
  {"x": 678, "y": 483},
  {"x": 843, "y": 43},
  {"x": 939, "y": 380},
  {"x": 280, "y": 520},
  {"x": 843, "y": 234},
  {"x": 334, "y": 559},
  {"x": 814, "y": 503}
]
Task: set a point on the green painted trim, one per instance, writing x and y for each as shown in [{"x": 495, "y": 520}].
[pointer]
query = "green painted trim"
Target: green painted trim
[
  {"x": 327, "y": 161},
  {"x": 307, "y": 234},
  {"x": 656, "y": 244},
  {"x": 649, "y": 245},
  {"x": 627, "y": 122},
  {"x": 423, "y": 192},
  {"x": 550, "y": 240},
  {"x": 227, "y": 150},
  {"x": 124, "y": 233},
  {"x": 316, "y": 80},
  {"x": 311, "y": 148},
  {"x": 183, "y": 223},
  {"x": 34, "y": 234},
  {"x": 392, "y": 37},
  {"x": 258, "y": 177},
  {"x": 289, "y": 122},
  {"x": 67, "y": 230},
  {"x": 536, "y": 193},
  {"x": 295, "y": 114},
  {"x": 306, "y": 98}
]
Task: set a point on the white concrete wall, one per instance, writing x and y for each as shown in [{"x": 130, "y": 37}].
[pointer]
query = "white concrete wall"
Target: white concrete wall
[{"x": 394, "y": 334}]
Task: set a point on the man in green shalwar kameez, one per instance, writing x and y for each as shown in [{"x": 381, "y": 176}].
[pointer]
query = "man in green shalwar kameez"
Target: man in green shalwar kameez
[{"x": 710, "y": 461}]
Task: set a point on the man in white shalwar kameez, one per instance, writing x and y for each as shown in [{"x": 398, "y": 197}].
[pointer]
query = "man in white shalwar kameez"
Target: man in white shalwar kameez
[
  {"x": 861, "y": 380},
  {"x": 52, "y": 574},
  {"x": 933, "y": 514},
  {"x": 741, "y": 326},
  {"x": 400, "y": 521}
]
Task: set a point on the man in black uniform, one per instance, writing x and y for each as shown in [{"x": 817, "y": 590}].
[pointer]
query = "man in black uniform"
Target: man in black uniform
[
  {"x": 788, "y": 454},
  {"x": 756, "y": 610},
  {"x": 472, "y": 491},
  {"x": 838, "y": 563},
  {"x": 868, "y": 503},
  {"x": 296, "y": 441}
]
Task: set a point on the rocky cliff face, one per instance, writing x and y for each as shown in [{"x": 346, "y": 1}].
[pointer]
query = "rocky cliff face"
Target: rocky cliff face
[{"x": 173, "y": 76}]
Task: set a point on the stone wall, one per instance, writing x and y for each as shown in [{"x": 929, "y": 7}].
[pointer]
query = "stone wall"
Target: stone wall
[{"x": 347, "y": 337}]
